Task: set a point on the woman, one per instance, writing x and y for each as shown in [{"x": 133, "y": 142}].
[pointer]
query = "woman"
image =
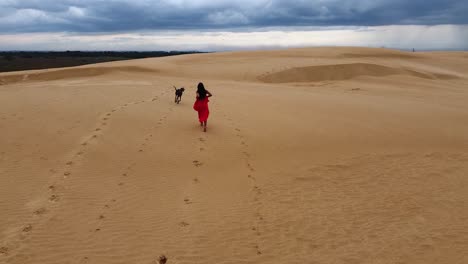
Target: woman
[{"x": 201, "y": 105}]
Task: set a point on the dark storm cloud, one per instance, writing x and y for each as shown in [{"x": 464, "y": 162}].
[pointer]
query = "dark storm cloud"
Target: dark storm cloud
[{"x": 130, "y": 15}]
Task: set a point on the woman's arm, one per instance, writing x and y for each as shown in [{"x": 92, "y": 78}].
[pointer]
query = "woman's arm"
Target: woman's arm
[{"x": 208, "y": 94}]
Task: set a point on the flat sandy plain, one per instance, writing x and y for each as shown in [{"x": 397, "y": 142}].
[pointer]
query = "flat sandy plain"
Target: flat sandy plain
[{"x": 317, "y": 155}]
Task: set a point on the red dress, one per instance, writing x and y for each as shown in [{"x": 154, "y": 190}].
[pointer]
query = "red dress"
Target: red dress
[{"x": 201, "y": 106}]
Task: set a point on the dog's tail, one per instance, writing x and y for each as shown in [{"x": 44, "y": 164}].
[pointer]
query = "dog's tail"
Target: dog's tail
[{"x": 175, "y": 88}]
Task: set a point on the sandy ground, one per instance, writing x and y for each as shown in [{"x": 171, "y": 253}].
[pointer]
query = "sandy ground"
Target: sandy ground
[{"x": 324, "y": 155}]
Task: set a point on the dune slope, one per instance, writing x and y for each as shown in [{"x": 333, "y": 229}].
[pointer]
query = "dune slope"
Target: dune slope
[{"x": 321, "y": 155}]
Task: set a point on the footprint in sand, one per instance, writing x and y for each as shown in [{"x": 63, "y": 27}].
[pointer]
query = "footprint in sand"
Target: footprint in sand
[
  {"x": 258, "y": 250},
  {"x": 257, "y": 190},
  {"x": 197, "y": 163},
  {"x": 162, "y": 259},
  {"x": 40, "y": 211},
  {"x": 53, "y": 198},
  {"x": 251, "y": 177},
  {"x": 4, "y": 251},
  {"x": 187, "y": 201},
  {"x": 70, "y": 163},
  {"x": 27, "y": 229},
  {"x": 67, "y": 173},
  {"x": 101, "y": 217},
  {"x": 183, "y": 224},
  {"x": 196, "y": 180}
]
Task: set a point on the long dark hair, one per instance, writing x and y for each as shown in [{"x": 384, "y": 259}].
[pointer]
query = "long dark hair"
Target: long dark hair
[{"x": 201, "y": 91}]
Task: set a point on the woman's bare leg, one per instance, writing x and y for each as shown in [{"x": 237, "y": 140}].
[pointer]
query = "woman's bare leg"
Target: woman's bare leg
[{"x": 204, "y": 126}]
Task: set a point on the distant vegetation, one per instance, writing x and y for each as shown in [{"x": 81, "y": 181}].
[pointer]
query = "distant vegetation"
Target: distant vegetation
[{"x": 33, "y": 60}]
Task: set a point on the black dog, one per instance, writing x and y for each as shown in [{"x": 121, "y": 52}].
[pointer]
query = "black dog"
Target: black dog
[{"x": 178, "y": 94}]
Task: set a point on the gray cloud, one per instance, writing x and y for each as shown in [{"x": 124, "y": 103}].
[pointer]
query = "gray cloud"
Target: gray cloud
[
  {"x": 132, "y": 15},
  {"x": 454, "y": 37}
]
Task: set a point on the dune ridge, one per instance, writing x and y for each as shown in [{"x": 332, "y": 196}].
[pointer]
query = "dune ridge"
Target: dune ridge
[
  {"x": 66, "y": 73},
  {"x": 339, "y": 72}
]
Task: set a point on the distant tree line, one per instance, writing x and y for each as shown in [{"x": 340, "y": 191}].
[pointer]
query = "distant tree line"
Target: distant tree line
[
  {"x": 69, "y": 53},
  {"x": 30, "y": 60}
]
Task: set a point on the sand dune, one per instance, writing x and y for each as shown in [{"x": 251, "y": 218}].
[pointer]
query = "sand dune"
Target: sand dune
[
  {"x": 339, "y": 72},
  {"x": 321, "y": 155},
  {"x": 77, "y": 72}
]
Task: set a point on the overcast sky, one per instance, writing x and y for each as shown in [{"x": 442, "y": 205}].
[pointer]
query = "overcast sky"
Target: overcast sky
[{"x": 230, "y": 25}]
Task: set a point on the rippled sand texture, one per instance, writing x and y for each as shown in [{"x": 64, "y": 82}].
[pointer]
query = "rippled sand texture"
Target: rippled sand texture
[{"x": 323, "y": 155}]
